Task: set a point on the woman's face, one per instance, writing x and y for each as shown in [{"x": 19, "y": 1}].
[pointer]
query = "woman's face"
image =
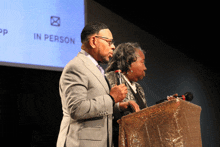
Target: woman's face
[{"x": 138, "y": 68}]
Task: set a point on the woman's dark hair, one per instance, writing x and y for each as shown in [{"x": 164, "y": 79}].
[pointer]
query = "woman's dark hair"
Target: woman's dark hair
[
  {"x": 90, "y": 29},
  {"x": 123, "y": 56}
]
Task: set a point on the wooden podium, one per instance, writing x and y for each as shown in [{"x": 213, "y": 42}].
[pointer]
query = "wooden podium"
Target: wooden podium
[{"x": 173, "y": 123}]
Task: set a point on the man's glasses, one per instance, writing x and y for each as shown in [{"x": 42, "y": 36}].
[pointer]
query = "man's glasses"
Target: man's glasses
[{"x": 104, "y": 38}]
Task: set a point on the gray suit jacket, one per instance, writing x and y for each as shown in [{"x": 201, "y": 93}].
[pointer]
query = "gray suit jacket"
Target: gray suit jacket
[{"x": 87, "y": 107}]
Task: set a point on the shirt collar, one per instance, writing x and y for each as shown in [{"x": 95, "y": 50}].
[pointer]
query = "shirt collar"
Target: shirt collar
[
  {"x": 131, "y": 84},
  {"x": 93, "y": 61},
  {"x": 89, "y": 56}
]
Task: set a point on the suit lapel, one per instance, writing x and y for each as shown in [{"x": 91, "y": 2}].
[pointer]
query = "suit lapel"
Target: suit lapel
[{"x": 94, "y": 70}]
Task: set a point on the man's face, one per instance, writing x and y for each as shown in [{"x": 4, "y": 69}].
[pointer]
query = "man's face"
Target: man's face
[
  {"x": 138, "y": 68},
  {"x": 104, "y": 46}
]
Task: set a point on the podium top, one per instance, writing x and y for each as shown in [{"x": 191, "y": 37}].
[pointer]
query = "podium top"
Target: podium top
[{"x": 172, "y": 123}]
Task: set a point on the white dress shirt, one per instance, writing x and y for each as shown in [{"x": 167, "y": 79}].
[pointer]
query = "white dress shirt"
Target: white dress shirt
[{"x": 131, "y": 84}]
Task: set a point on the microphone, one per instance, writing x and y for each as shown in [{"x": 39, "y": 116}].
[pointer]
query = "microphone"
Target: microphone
[
  {"x": 118, "y": 73},
  {"x": 188, "y": 96}
]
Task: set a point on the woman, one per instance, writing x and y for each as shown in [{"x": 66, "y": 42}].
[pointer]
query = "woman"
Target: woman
[{"x": 129, "y": 58}]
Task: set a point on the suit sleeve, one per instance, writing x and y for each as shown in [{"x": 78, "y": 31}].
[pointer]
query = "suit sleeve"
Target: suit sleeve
[{"x": 74, "y": 87}]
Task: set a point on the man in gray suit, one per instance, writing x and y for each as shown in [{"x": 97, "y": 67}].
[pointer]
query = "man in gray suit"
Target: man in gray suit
[{"x": 87, "y": 101}]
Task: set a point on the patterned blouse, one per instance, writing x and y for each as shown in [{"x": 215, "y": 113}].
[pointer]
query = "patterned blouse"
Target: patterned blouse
[{"x": 112, "y": 78}]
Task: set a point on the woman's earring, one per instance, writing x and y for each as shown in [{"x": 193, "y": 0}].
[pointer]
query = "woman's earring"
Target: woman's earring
[{"x": 131, "y": 72}]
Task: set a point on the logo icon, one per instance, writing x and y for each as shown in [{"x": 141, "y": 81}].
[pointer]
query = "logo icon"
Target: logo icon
[{"x": 55, "y": 21}]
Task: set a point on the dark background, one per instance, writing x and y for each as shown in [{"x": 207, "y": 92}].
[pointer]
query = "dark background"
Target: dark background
[
  {"x": 30, "y": 104},
  {"x": 190, "y": 27}
]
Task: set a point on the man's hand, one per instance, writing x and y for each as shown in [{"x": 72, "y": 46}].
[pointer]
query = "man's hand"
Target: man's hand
[
  {"x": 119, "y": 92},
  {"x": 169, "y": 98},
  {"x": 124, "y": 105}
]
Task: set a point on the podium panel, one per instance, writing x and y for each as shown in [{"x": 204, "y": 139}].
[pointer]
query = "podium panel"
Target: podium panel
[{"x": 173, "y": 123}]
